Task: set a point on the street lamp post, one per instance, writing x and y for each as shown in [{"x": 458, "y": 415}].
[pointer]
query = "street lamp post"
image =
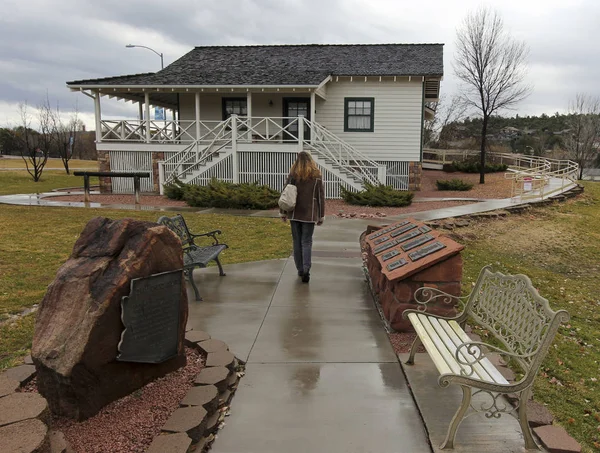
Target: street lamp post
[{"x": 162, "y": 66}]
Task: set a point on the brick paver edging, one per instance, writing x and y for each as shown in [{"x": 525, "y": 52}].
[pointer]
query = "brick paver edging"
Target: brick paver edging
[{"x": 24, "y": 417}]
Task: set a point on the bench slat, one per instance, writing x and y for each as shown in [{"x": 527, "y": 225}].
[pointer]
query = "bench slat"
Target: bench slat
[
  {"x": 436, "y": 357},
  {"x": 490, "y": 368},
  {"x": 450, "y": 337},
  {"x": 446, "y": 350},
  {"x": 441, "y": 340}
]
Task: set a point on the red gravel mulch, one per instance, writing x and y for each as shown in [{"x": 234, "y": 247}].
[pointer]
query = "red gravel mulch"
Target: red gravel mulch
[
  {"x": 496, "y": 186},
  {"x": 129, "y": 424},
  {"x": 403, "y": 341}
]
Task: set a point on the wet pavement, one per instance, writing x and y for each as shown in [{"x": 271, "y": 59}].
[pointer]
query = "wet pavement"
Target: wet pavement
[{"x": 321, "y": 374}]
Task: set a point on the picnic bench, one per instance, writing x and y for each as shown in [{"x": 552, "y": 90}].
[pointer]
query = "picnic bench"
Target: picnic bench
[
  {"x": 521, "y": 322},
  {"x": 112, "y": 174},
  {"x": 194, "y": 255}
]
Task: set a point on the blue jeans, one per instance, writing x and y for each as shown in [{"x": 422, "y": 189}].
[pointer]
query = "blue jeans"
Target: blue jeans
[{"x": 302, "y": 233}]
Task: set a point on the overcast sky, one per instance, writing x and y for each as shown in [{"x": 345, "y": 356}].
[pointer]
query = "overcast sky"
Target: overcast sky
[{"x": 44, "y": 43}]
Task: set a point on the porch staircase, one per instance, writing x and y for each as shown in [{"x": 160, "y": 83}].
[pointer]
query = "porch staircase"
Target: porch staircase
[{"x": 338, "y": 158}]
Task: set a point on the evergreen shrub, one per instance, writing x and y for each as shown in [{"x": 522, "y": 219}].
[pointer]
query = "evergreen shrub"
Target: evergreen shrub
[
  {"x": 222, "y": 194},
  {"x": 379, "y": 195},
  {"x": 453, "y": 184}
]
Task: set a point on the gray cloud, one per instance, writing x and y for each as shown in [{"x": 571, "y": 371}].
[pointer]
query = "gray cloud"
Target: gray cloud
[{"x": 43, "y": 44}]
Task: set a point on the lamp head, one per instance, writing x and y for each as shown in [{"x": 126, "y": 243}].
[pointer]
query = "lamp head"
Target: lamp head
[{"x": 129, "y": 45}]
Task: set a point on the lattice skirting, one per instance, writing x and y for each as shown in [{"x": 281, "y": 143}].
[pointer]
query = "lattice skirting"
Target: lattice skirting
[{"x": 269, "y": 168}]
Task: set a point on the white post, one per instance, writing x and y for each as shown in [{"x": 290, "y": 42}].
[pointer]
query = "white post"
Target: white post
[
  {"x": 197, "y": 115},
  {"x": 300, "y": 133},
  {"x": 173, "y": 125},
  {"x": 313, "y": 111},
  {"x": 381, "y": 174},
  {"x": 161, "y": 178},
  {"x": 98, "y": 113},
  {"x": 147, "y": 107},
  {"x": 234, "y": 156},
  {"x": 249, "y": 110}
]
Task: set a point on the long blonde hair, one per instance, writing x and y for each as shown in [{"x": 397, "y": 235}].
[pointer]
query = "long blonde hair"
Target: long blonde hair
[{"x": 305, "y": 167}]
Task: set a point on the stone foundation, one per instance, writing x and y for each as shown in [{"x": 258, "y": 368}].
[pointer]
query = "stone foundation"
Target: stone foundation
[
  {"x": 396, "y": 296},
  {"x": 415, "y": 172}
]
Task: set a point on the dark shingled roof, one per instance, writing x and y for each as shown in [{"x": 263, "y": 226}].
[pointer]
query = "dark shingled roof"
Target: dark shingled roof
[{"x": 287, "y": 65}]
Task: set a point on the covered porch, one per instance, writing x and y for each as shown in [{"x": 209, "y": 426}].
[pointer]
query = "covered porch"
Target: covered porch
[{"x": 192, "y": 114}]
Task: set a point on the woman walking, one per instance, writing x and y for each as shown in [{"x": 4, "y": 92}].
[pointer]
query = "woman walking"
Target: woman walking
[{"x": 309, "y": 210}]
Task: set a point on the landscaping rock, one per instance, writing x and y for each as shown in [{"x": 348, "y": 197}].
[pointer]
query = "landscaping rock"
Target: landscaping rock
[
  {"x": 556, "y": 439},
  {"x": 212, "y": 424},
  {"x": 190, "y": 420},
  {"x": 213, "y": 345},
  {"x": 78, "y": 325},
  {"x": 220, "y": 358},
  {"x": 538, "y": 414},
  {"x": 28, "y": 360},
  {"x": 18, "y": 407},
  {"x": 170, "y": 443},
  {"x": 29, "y": 436},
  {"x": 22, "y": 373},
  {"x": 58, "y": 443},
  {"x": 216, "y": 376},
  {"x": 7, "y": 385},
  {"x": 196, "y": 336},
  {"x": 206, "y": 396}
]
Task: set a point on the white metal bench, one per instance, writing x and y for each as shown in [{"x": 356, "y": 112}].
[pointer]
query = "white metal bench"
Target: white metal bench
[{"x": 521, "y": 321}]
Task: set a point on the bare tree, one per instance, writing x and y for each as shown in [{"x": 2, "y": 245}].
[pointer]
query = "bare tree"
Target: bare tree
[
  {"x": 584, "y": 124},
  {"x": 449, "y": 114},
  {"x": 65, "y": 135},
  {"x": 31, "y": 145},
  {"x": 491, "y": 66}
]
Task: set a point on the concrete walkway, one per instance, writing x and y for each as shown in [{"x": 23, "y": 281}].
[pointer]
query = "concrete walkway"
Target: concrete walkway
[{"x": 321, "y": 375}]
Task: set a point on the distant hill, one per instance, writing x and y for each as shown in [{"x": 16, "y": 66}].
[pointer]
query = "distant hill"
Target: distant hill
[{"x": 525, "y": 134}]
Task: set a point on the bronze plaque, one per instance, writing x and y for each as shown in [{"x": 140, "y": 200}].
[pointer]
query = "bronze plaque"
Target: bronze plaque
[{"x": 150, "y": 315}]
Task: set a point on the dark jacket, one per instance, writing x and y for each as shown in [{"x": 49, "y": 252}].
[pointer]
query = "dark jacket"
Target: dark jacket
[{"x": 310, "y": 202}]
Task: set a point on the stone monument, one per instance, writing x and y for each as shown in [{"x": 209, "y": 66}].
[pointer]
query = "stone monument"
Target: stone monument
[{"x": 79, "y": 324}]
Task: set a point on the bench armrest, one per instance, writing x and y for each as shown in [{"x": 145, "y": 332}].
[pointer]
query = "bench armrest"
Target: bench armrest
[
  {"x": 426, "y": 295},
  {"x": 212, "y": 234},
  {"x": 471, "y": 353}
]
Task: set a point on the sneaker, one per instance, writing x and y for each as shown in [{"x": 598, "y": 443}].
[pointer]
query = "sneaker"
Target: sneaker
[
  {"x": 306, "y": 277},
  {"x": 300, "y": 274}
]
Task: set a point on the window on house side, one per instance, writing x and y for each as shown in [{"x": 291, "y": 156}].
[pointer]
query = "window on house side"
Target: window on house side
[
  {"x": 359, "y": 114},
  {"x": 234, "y": 106}
]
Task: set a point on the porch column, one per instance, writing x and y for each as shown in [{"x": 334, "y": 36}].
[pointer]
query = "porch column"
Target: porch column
[
  {"x": 313, "y": 111},
  {"x": 173, "y": 125},
  {"x": 197, "y": 115},
  {"x": 300, "y": 133},
  {"x": 234, "y": 156},
  {"x": 249, "y": 109},
  {"x": 147, "y": 107},
  {"x": 98, "y": 113}
]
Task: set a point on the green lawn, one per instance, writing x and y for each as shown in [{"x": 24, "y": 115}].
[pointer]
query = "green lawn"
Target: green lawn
[
  {"x": 559, "y": 249},
  {"x": 36, "y": 241},
  {"x": 15, "y": 182}
]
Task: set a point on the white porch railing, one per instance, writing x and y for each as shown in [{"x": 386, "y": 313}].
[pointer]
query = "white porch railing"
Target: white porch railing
[
  {"x": 531, "y": 175},
  {"x": 227, "y": 135},
  {"x": 153, "y": 131}
]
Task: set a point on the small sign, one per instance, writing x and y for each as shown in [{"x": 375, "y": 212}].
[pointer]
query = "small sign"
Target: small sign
[
  {"x": 159, "y": 113},
  {"x": 417, "y": 242},
  {"x": 150, "y": 315},
  {"x": 396, "y": 264},
  {"x": 527, "y": 184},
  {"x": 390, "y": 255},
  {"x": 425, "y": 251},
  {"x": 380, "y": 240}
]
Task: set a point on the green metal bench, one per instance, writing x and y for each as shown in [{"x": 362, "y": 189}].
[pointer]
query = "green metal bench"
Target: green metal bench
[
  {"x": 513, "y": 312},
  {"x": 194, "y": 255}
]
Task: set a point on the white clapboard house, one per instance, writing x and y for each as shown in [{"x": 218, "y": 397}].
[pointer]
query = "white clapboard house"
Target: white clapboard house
[{"x": 241, "y": 113}]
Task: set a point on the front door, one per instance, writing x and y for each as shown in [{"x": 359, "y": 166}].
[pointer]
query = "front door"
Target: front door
[{"x": 293, "y": 108}]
